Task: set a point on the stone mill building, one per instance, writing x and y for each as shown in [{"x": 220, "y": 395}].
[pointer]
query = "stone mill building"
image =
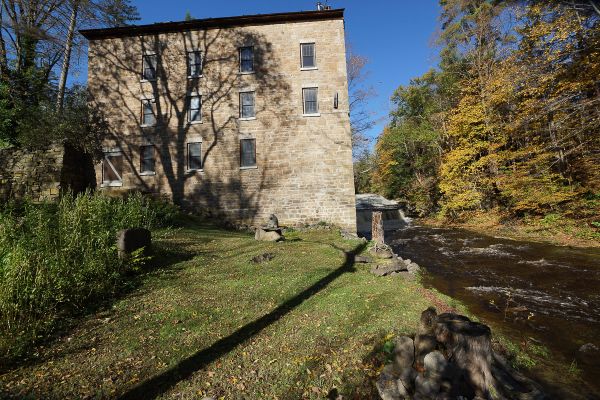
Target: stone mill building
[{"x": 240, "y": 117}]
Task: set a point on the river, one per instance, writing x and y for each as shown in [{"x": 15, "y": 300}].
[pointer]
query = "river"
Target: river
[{"x": 531, "y": 292}]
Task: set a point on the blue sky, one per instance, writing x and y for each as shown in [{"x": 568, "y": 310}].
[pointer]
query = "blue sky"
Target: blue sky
[{"x": 395, "y": 35}]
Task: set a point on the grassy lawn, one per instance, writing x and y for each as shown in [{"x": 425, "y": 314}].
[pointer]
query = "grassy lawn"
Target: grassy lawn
[{"x": 209, "y": 322}]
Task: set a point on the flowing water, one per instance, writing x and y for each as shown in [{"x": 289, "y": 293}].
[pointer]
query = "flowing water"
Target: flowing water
[{"x": 532, "y": 292}]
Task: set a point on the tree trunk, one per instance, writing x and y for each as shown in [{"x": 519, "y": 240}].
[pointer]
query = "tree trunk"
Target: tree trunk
[
  {"x": 469, "y": 346},
  {"x": 594, "y": 6},
  {"x": 3, "y": 59},
  {"x": 377, "y": 228},
  {"x": 62, "y": 83}
]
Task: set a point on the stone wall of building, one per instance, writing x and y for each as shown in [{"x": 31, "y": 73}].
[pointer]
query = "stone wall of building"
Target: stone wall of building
[
  {"x": 41, "y": 175},
  {"x": 304, "y": 171},
  {"x": 34, "y": 175}
]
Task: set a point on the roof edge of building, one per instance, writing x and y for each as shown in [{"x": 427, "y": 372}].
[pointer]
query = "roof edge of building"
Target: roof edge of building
[{"x": 211, "y": 23}]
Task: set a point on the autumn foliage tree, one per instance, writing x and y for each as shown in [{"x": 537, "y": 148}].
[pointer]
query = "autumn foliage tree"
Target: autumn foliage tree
[{"x": 509, "y": 121}]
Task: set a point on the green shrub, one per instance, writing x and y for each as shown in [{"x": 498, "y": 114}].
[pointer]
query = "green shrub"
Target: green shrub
[{"x": 57, "y": 258}]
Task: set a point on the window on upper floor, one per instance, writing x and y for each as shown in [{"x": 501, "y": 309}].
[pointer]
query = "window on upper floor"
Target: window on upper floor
[
  {"x": 195, "y": 108},
  {"x": 194, "y": 62},
  {"x": 247, "y": 153},
  {"x": 149, "y": 63},
  {"x": 194, "y": 156},
  {"x": 148, "y": 112},
  {"x": 247, "y": 105},
  {"x": 112, "y": 168},
  {"x": 311, "y": 101},
  {"x": 308, "y": 59},
  {"x": 247, "y": 59},
  {"x": 147, "y": 159}
]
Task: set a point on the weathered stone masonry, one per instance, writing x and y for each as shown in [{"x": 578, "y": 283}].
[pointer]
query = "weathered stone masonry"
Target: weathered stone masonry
[
  {"x": 303, "y": 170},
  {"x": 43, "y": 174}
]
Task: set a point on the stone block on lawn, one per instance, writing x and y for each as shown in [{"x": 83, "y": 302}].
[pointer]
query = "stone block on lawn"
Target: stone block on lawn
[
  {"x": 268, "y": 235},
  {"x": 130, "y": 240}
]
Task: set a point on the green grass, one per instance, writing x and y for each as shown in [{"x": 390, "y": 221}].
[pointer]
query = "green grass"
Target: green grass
[{"x": 273, "y": 333}]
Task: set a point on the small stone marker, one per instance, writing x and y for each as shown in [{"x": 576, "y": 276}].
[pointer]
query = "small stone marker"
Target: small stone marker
[
  {"x": 271, "y": 232},
  {"x": 130, "y": 240}
]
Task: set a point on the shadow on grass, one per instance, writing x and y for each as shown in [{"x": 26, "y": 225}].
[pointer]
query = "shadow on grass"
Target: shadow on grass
[{"x": 159, "y": 384}]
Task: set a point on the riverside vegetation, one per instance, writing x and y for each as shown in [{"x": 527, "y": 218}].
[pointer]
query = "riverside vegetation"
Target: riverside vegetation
[{"x": 506, "y": 130}]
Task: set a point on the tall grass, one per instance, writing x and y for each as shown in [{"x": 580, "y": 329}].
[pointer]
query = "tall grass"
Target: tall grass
[{"x": 57, "y": 258}]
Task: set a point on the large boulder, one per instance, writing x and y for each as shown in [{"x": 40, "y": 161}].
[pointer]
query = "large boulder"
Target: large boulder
[{"x": 130, "y": 240}]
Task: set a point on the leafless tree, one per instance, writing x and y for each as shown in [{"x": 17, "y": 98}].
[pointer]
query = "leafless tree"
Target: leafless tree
[
  {"x": 361, "y": 119},
  {"x": 89, "y": 13}
]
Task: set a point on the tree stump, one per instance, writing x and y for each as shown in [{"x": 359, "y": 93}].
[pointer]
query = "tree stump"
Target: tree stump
[
  {"x": 469, "y": 346},
  {"x": 377, "y": 228}
]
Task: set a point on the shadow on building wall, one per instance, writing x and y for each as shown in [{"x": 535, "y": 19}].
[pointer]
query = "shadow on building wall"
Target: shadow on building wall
[{"x": 222, "y": 188}]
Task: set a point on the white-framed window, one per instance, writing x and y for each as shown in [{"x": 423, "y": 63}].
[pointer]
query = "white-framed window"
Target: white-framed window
[
  {"x": 194, "y": 156},
  {"x": 147, "y": 162},
  {"x": 247, "y": 105},
  {"x": 195, "y": 108},
  {"x": 247, "y": 59},
  {"x": 247, "y": 153},
  {"x": 148, "y": 112},
  {"x": 112, "y": 168},
  {"x": 308, "y": 56},
  {"x": 149, "y": 63},
  {"x": 310, "y": 98},
  {"x": 194, "y": 62}
]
